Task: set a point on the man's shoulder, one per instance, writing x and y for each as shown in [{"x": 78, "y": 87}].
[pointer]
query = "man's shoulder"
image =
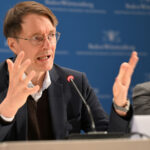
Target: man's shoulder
[
  {"x": 67, "y": 71},
  {"x": 141, "y": 88},
  {"x": 4, "y": 79},
  {"x": 3, "y": 69},
  {"x": 61, "y": 73},
  {"x": 144, "y": 85},
  {"x": 3, "y": 64},
  {"x": 141, "y": 98}
]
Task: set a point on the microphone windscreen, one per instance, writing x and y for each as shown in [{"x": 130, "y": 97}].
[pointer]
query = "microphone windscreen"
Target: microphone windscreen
[{"x": 70, "y": 77}]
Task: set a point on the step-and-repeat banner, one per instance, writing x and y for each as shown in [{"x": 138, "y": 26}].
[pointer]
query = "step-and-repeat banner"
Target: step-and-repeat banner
[{"x": 96, "y": 37}]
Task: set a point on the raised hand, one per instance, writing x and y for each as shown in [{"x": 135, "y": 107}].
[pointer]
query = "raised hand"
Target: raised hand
[
  {"x": 18, "y": 89},
  {"x": 122, "y": 82}
]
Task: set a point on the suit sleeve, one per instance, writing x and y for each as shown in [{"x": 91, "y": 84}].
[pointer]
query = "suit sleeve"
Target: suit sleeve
[
  {"x": 103, "y": 122},
  {"x": 6, "y": 130}
]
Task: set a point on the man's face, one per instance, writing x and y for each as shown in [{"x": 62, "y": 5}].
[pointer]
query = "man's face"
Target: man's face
[{"x": 41, "y": 56}]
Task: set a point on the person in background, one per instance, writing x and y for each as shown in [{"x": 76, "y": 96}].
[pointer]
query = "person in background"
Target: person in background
[
  {"x": 36, "y": 100},
  {"x": 141, "y": 99}
]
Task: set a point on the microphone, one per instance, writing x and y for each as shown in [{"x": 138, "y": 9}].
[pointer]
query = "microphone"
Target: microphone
[
  {"x": 70, "y": 78},
  {"x": 94, "y": 134}
]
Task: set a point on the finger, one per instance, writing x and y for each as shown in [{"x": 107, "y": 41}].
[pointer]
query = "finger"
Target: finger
[
  {"x": 23, "y": 67},
  {"x": 133, "y": 58},
  {"x": 126, "y": 69},
  {"x": 10, "y": 69},
  {"x": 124, "y": 74},
  {"x": 115, "y": 87},
  {"x": 130, "y": 68},
  {"x": 122, "y": 70},
  {"x": 29, "y": 77},
  {"x": 33, "y": 90},
  {"x": 19, "y": 59},
  {"x": 10, "y": 65},
  {"x": 133, "y": 61}
]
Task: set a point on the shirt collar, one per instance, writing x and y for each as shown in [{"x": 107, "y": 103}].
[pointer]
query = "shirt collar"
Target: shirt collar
[{"x": 46, "y": 83}]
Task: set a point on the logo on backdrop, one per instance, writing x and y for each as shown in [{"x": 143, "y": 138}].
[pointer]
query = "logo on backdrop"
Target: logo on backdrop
[
  {"x": 74, "y": 6},
  {"x": 110, "y": 44},
  {"x": 139, "y": 7},
  {"x": 111, "y": 36}
]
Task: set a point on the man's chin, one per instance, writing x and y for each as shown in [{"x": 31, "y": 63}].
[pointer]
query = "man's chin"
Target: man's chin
[{"x": 49, "y": 68}]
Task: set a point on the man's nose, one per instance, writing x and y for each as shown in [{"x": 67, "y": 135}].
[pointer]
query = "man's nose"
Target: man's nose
[{"x": 46, "y": 43}]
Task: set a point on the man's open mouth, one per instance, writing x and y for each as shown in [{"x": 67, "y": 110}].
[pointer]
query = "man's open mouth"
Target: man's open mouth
[{"x": 44, "y": 57}]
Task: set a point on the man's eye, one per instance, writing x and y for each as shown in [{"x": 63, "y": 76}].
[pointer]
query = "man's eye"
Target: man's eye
[
  {"x": 51, "y": 35},
  {"x": 38, "y": 38}
]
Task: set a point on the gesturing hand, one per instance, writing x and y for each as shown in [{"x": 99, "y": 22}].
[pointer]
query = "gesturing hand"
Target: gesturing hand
[
  {"x": 122, "y": 82},
  {"x": 18, "y": 90}
]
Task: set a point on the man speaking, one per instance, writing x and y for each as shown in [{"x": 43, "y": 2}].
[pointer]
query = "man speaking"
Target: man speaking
[{"x": 36, "y": 100}]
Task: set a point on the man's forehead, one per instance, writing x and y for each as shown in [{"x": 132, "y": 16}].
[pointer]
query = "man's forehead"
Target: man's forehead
[
  {"x": 36, "y": 17},
  {"x": 37, "y": 23}
]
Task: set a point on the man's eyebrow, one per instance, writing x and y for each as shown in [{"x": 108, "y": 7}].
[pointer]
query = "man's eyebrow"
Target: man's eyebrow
[
  {"x": 39, "y": 33},
  {"x": 52, "y": 31}
]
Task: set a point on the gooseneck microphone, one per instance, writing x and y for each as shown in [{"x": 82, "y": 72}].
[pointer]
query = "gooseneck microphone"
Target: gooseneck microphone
[
  {"x": 94, "y": 134},
  {"x": 70, "y": 78}
]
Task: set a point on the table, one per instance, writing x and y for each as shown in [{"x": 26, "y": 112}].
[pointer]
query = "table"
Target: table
[{"x": 98, "y": 144}]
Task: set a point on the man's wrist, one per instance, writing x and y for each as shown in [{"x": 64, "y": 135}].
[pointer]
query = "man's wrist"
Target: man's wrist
[
  {"x": 122, "y": 108},
  {"x": 7, "y": 111}
]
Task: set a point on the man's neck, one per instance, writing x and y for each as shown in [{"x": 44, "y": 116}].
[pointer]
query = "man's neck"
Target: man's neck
[{"x": 39, "y": 78}]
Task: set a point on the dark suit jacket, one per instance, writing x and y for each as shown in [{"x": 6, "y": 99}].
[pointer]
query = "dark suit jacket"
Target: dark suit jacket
[
  {"x": 67, "y": 111},
  {"x": 141, "y": 99}
]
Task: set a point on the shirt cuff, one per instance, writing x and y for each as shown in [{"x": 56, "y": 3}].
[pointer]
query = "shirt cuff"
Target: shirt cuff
[{"x": 8, "y": 119}]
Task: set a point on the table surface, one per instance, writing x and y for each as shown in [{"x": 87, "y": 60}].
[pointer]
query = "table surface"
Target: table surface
[{"x": 104, "y": 144}]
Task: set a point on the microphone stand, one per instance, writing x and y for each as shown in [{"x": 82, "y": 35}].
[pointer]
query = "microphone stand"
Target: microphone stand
[
  {"x": 87, "y": 106},
  {"x": 93, "y": 134}
]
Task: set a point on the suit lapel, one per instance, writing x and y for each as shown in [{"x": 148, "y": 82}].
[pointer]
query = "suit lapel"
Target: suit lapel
[
  {"x": 57, "y": 110},
  {"x": 57, "y": 106}
]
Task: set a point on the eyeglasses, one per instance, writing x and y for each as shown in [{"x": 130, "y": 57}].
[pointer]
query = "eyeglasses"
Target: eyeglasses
[{"x": 39, "y": 38}]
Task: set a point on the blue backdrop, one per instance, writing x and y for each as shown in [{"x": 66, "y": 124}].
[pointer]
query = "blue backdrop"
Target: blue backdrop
[{"x": 96, "y": 37}]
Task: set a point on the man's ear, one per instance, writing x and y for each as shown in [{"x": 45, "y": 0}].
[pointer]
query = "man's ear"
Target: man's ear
[{"x": 12, "y": 43}]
